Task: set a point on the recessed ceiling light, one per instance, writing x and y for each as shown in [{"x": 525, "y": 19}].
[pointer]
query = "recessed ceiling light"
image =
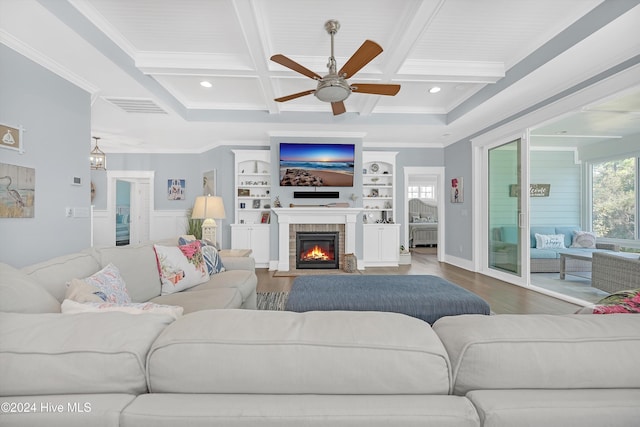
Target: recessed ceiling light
[
  {"x": 206, "y": 84},
  {"x": 435, "y": 89}
]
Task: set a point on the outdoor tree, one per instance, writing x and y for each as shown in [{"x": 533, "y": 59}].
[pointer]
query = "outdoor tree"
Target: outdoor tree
[{"x": 614, "y": 199}]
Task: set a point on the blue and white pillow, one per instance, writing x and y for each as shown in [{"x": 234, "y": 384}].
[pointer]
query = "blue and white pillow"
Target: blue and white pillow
[
  {"x": 549, "y": 241},
  {"x": 110, "y": 285},
  {"x": 211, "y": 256}
]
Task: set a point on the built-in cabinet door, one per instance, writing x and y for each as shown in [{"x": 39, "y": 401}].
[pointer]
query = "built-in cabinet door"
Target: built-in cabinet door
[
  {"x": 381, "y": 245},
  {"x": 254, "y": 237}
]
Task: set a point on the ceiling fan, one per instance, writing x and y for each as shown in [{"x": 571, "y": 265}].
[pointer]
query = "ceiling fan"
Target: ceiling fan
[{"x": 333, "y": 87}]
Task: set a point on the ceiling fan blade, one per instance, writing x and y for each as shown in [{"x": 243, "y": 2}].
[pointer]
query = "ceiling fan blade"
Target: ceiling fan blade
[
  {"x": 294, "y": 96},
  {"x": 375, "y": 88},
  {"x": 362, "y": 57},
  {"x": 338, "y": 108},
  {"x": 291, "y": 64}
]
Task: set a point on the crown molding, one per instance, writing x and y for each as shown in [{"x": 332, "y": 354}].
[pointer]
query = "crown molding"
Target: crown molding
[{"x": 43, "y": 60}]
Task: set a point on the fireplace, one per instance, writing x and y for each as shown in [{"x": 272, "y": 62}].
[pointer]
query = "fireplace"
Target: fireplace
[{"x": 315, "y": 249}]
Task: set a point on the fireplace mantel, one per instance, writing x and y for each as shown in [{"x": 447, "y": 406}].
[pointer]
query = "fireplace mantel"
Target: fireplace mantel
[{"x": 314, "y": 215}]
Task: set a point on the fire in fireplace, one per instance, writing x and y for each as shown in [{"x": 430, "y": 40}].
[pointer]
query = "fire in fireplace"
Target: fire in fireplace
[{"x": 316, "y": 249}]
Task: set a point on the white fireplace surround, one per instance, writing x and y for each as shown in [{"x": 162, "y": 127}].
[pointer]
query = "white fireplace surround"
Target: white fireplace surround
[{"x": 312, "y": 215}]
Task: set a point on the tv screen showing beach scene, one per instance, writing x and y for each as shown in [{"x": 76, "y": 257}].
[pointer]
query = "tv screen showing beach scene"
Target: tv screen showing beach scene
[{"x": 316, "y": 165}]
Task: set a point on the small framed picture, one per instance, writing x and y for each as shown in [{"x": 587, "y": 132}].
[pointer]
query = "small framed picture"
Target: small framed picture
[
  {"x": 244, "y": 192},
  {"x": 256, "y": 203},
  {"x": 175, "y": 189},
  {"x": 265, "y": 217},
  {"x": 374, "y": 192}
]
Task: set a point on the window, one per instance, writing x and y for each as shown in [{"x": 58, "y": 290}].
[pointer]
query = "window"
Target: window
[
  {"x": 614, "y": 185},
  {"x": 421, "y": 192}
]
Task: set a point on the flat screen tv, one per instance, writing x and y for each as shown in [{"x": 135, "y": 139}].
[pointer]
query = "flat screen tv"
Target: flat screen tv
[{"x": 316, "y": 165}]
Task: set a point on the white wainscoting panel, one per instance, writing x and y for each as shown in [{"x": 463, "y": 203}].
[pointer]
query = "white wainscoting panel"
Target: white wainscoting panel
[
  {"x": 163, "y": 224},
  {"x": 103, "y": 233},
  {"x": 167, "y": 224}
]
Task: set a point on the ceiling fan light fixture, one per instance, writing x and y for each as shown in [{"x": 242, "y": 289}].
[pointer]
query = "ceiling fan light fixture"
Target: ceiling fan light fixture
[{"x": 332, "y": 89}]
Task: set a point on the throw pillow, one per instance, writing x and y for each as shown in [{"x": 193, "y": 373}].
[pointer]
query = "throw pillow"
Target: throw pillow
[
  {"x": 110, "y": 285},
  {"x": 549, "y": 241},
  {"x": 80, "y": 291},
  {"x": 20, "y": 293},
  {"x": 180, "y": 267},
  {"x": 618, "y": 302},
  {"x": 73, "y": 307},
  {"x": 210, "y": 253},
  {"x": 584, "y": 239}
]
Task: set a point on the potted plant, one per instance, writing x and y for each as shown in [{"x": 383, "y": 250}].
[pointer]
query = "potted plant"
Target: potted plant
[{"x": 194, "y": 226}]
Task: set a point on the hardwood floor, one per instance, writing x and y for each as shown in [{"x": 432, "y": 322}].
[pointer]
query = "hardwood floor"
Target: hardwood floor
[{"x": 503, "y": 297}]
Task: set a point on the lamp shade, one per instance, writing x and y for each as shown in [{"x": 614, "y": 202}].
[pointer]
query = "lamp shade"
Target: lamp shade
[{"x": 208, "y": 207}]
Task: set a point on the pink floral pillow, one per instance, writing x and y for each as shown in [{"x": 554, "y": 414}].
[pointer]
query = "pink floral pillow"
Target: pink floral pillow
[
  {"x": 619, "y": 302},
  {"x": 181, "y": 267}
]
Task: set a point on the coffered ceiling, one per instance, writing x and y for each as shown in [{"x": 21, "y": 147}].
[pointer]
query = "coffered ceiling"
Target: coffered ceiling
[{"x": 143, "y": 62}]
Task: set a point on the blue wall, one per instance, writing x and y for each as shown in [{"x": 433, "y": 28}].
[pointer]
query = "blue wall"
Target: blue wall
[
  {"x": 563, "y": 206},
  {"x": 459, "y": 223},
  {"x": 56, "y": 116}
]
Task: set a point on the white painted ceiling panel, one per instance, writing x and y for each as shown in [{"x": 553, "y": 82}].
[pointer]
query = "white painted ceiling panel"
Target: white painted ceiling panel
[
  {"x": 161, "y": 50},
  {"x": 205, "y": 26}
]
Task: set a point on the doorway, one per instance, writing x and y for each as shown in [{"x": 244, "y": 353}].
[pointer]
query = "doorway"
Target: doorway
[
  {"x": 140, "y": 202},
  {"x": 432, "y": 179},
  {"x": 123, "y": 212}
]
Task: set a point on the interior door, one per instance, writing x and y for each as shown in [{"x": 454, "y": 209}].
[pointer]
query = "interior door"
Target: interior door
[{"x": 505, "y": 208}]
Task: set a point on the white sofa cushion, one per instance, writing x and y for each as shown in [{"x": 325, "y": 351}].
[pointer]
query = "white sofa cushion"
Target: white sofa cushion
[
  {"x": 138, "y": 267},
  {"x": 54, "y": 274},
  {"x": 295, "y": 410},
  {"x": 541, "y": 351},
  {"x": 202, "y": 300},
  {"x": 79, "y": 353},
  {"x": 584, "y": 408},
  {"x": 78, "y": 410},
  {"x": 19, "y": 293},
  {"x": 330, "y": 352}
]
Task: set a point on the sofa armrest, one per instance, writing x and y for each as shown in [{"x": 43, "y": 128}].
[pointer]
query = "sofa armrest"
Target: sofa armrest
[
  {"x": 609, "y": 246},
  {"x": 239, "y": 263}
]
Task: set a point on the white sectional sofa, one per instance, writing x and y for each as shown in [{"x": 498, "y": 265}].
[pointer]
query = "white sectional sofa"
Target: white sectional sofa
[
  {"x": 235, "y": 367},
  {"x": 137, "y": 264}
]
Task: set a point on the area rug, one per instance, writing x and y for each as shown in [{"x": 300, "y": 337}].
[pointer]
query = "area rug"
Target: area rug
[{"x": 272, "y": 300}]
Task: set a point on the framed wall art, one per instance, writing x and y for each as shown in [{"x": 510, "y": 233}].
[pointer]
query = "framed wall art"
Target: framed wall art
[
  {"x": 209, "y": 183},
  {"x": 17, "y": 191},
  {"x": 457, "y": 190},
  {"x": 175, "y": 189},
  {"x": 11, "y": 138}
]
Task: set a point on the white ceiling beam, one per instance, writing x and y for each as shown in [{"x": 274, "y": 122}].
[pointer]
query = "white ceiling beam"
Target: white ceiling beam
[
  {"x": 255, "y": 35},
  {"x": 405, "y": 38},
  {"x": 173, "y": 63}
]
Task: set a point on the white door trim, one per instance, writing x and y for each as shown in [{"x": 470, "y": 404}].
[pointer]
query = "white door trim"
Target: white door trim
[
  {"x": 137, "y": 176},
  {"x": 439, "y": 173}
]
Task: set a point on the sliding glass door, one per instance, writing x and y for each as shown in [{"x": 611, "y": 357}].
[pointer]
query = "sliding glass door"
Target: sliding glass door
[{"x": 505, "y": 207}]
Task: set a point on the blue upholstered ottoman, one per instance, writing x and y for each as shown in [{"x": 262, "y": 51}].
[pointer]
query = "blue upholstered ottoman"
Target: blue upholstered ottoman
[{"x": 425, "y": 297}]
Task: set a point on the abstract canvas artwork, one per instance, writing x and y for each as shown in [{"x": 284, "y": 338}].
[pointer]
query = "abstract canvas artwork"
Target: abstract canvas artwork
[{"x": 17, "y": 191}]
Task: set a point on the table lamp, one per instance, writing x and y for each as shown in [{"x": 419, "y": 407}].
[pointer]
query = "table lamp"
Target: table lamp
[{"x": 208, "y": 208}]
